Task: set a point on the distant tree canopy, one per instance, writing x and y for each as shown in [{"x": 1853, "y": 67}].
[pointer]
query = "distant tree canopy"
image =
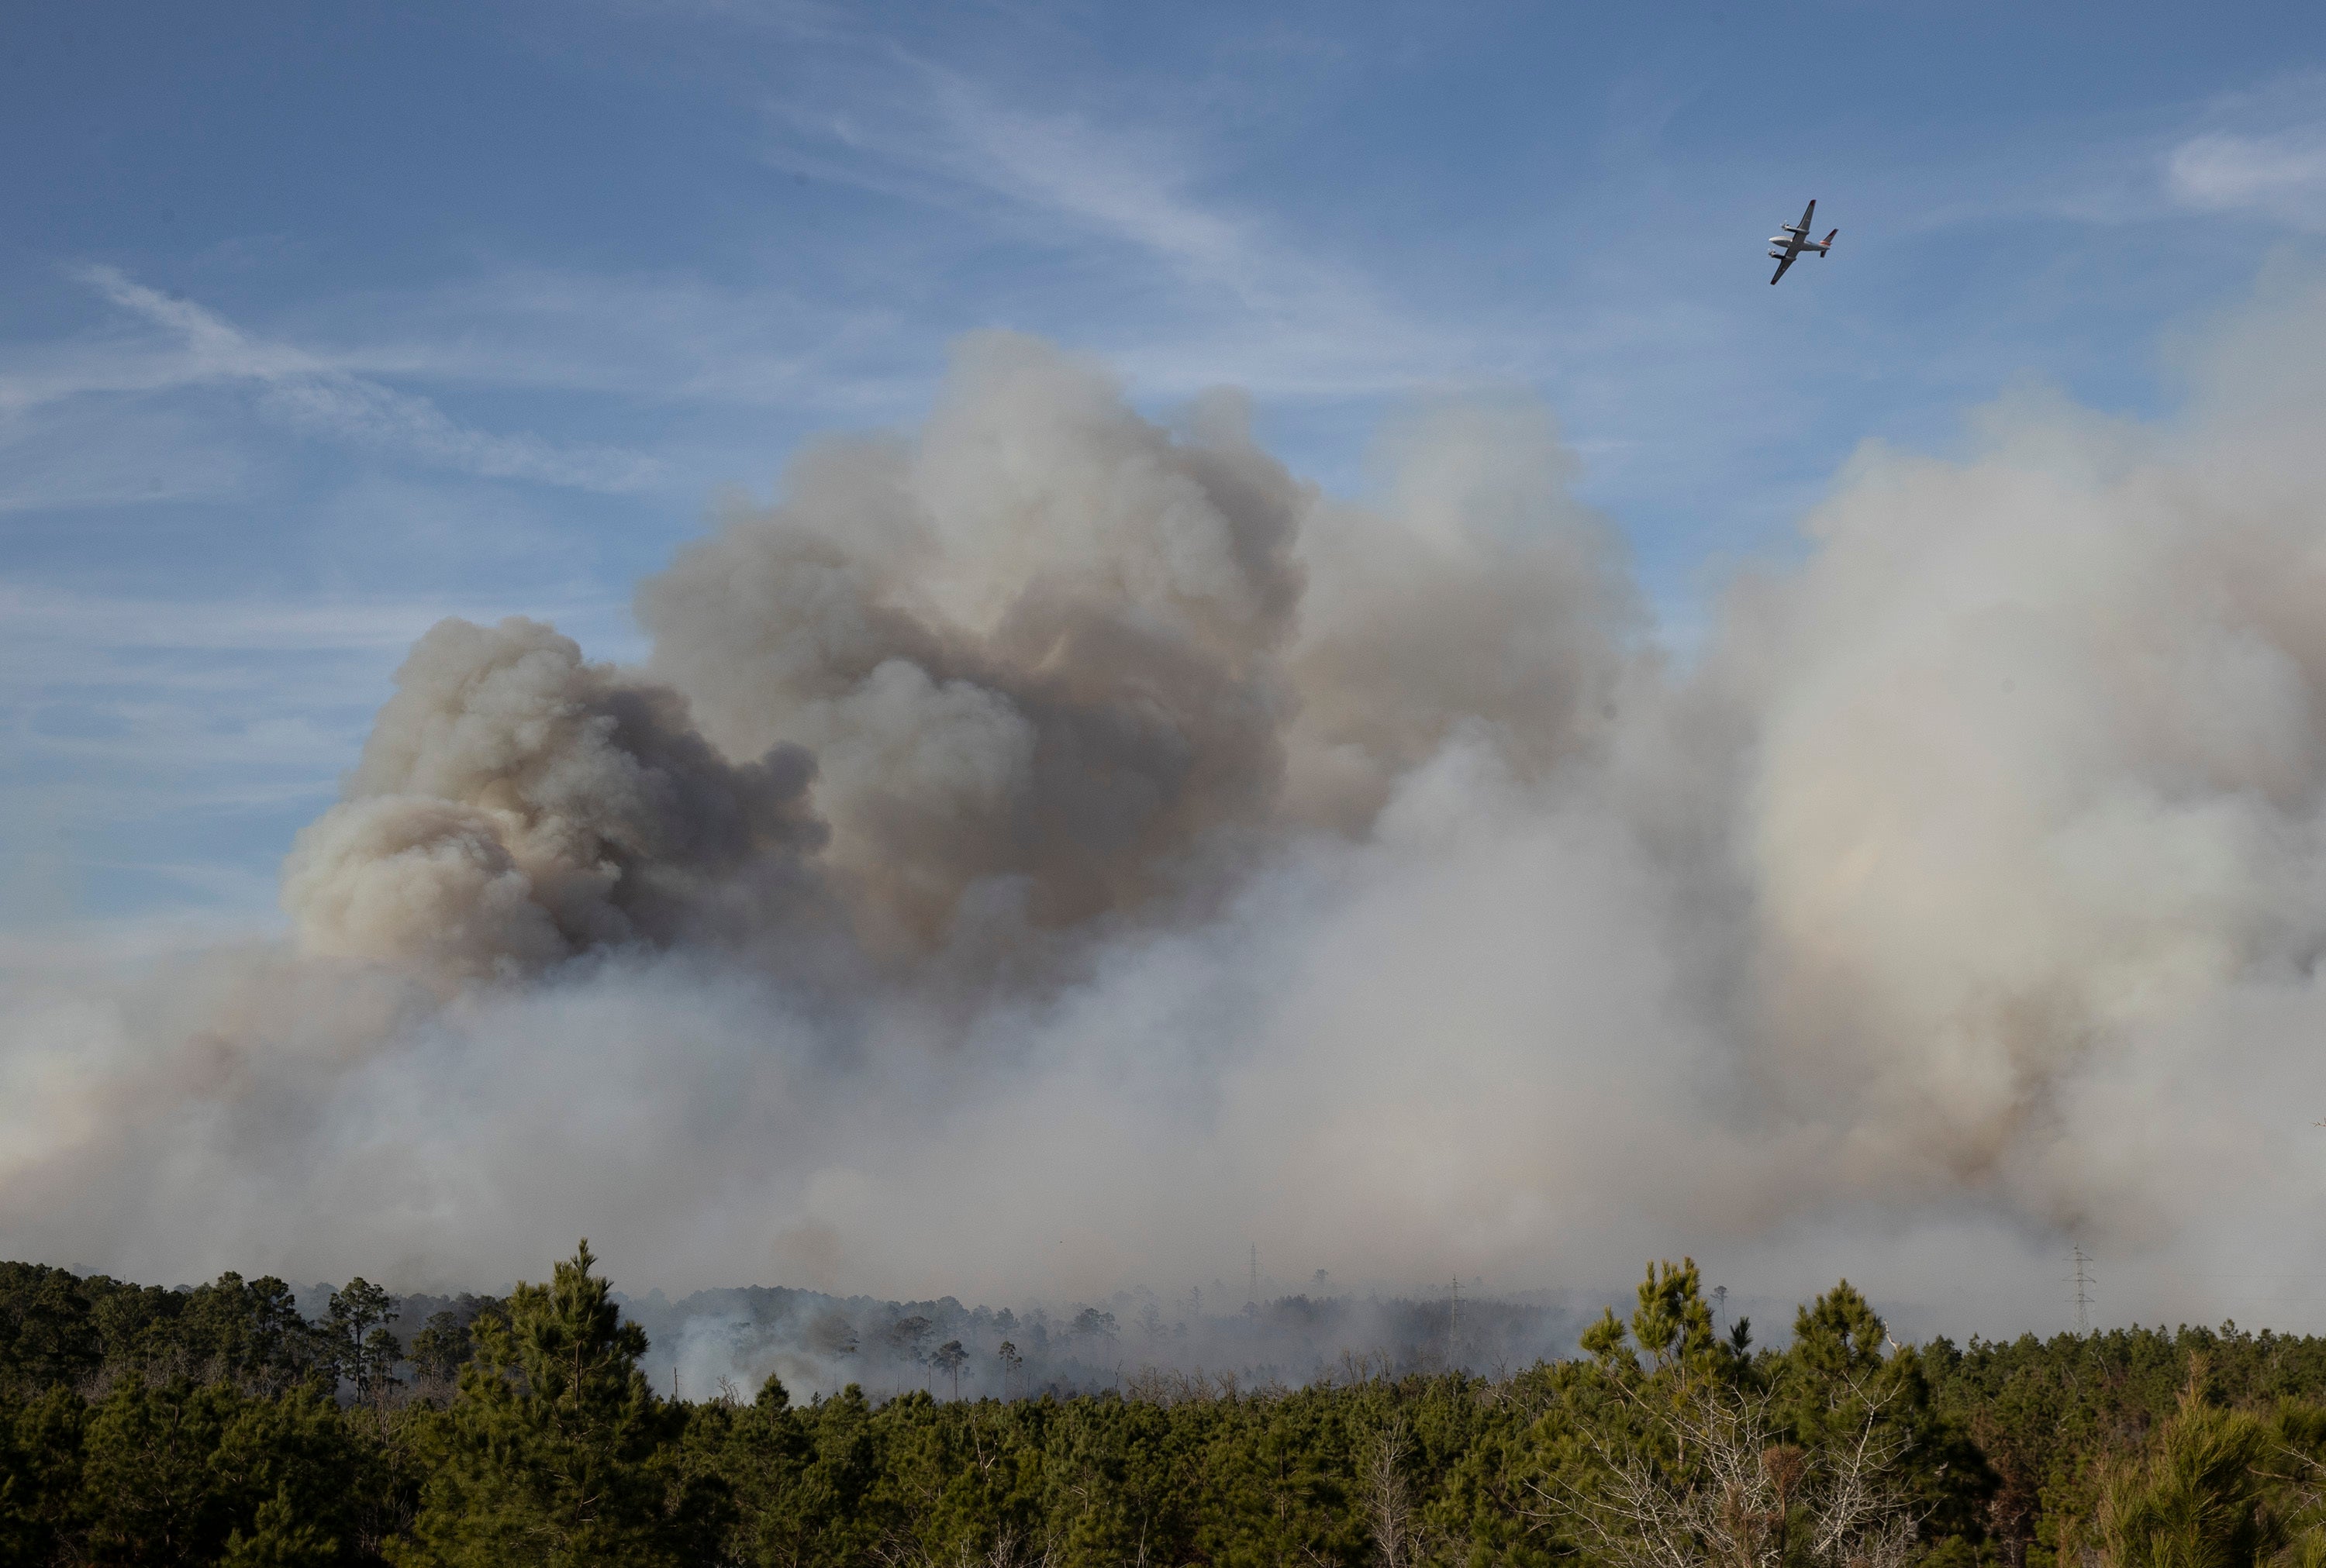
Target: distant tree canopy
[{"x": 218, "y": 1425}]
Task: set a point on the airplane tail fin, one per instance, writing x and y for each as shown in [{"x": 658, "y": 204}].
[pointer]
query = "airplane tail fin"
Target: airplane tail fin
[{"x": 1828, "y": 243}]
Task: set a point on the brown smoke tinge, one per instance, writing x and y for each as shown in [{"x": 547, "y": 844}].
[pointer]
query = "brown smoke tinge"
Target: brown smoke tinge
[
  {"x": 1358, "y": 880},
  {"x": 517, "y": 805},
  {"x": 1043, "y": 641}
]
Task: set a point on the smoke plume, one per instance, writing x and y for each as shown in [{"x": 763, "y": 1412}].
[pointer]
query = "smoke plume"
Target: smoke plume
[
  {"x": 516, "y": 806},
  {"x": 1051, "y": 850},
  {"x": 1042, "y": 642}
]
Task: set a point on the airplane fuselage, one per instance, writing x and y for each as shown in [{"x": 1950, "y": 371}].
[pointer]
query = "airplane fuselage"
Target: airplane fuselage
[{"x": 1793, "y": 239}]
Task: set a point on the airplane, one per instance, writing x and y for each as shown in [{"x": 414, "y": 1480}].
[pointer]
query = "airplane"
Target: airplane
[{"x": 1796, "y": 239}]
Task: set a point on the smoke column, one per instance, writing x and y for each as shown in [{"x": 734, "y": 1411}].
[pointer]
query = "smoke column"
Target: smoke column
[{"x": 1051, "y": 849}]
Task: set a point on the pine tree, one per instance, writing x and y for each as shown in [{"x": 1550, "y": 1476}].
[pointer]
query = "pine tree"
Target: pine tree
[
  {"x": 441, "y": 1349},
  {"x": 949, "y": 1356},
  {"x": 1672, "y": 1324},
  {"x": 357, "y": 1325},
  {"x": 2200, "y": 1496},
  {"x": 555, "y": 1451}
]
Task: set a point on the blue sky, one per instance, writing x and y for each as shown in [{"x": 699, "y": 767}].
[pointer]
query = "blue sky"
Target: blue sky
[{"x": 318, "y": 323}]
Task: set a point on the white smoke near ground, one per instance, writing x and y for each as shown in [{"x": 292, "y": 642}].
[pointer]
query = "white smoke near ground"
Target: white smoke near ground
[{"x": 1053, "y": 851}]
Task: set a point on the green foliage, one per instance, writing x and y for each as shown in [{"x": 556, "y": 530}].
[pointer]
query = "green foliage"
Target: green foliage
[
  {"x": 555, "y": 1451},
  {"x": 1606, "y": 1341},
  {"x": 1674, "y": 1325},
  {"x": 214, "y": 1425},
  {"x": 48, "y": 1334},
  {"x": 179, "y": 1471},
  {"x": 2195, "y": 1498},
  {"x": 280, "y": 1536},
  {"x": 441, "y": 1349},
  {"x": 2047, "y": 1417},
  {"x": 40, "y": 1475},
  {"x": 361, "y": 1347},
  {"x": 147, "y": 1486},
  {"x": 56, "y": 1329}
]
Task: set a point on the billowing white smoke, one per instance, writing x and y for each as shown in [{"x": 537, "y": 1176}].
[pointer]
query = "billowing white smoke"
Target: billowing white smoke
[
  {"x": 1191, "y": 860},
  {"x": 1041, "y": 643},
  {"x": 2039, "y": 772}
]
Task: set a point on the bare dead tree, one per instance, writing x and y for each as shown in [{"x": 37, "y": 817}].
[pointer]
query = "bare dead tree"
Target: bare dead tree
[
  {"x": 1007, "y": 1550},
  {"x": 1731, "y": 1494},
  {"x": 1389, "y": 1507}
]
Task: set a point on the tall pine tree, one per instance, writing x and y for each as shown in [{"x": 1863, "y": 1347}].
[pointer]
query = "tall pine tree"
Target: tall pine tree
[{"x": 555, "y": 1452}]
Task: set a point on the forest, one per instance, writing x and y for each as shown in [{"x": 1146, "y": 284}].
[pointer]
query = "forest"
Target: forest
[{"x": 219, "y": 1425}]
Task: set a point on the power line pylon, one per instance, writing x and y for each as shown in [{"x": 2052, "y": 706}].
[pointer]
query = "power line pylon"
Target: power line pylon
[{"x": 2083, "y": 1282}]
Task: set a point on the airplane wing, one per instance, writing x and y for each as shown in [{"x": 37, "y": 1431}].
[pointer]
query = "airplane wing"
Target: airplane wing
[
  {"x": 1807, "y": 213},
  {"x": 1781, "y": 266}
]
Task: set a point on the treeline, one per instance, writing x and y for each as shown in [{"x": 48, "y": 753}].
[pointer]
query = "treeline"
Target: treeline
[
  {"x": 60, "y": 1329},
  {"x": 219, "y": 1425}
]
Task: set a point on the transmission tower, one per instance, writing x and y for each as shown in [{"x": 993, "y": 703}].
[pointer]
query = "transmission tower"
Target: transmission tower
[
  {"x": 1719, "y": 1306},
  {"x": 1255, "y": 1296},
  {"x": 2083, "y": 1281}
]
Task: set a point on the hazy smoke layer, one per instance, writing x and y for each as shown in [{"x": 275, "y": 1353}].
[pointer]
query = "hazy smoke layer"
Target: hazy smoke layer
[
  {"x": 817, "y": 1342},
  {"x": 1053, "y": 851}
]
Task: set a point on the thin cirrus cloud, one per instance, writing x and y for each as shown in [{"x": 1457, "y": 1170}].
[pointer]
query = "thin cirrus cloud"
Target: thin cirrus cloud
[
  {"x": 154, "y": 740},
  {"x": 169, "y": 688},
  {"x": 2258, "y": 154},
  {"x": 2280, "y": 175},
  {"x": 307, "y": 392},
  {"x": 1244, "y": 302},
  {"x": 671, "y": 337},
  {"x": 60, "y": 457}
]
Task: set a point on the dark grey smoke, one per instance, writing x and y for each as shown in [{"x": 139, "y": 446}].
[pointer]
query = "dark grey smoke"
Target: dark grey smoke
[{"x": 517, "y": 806}]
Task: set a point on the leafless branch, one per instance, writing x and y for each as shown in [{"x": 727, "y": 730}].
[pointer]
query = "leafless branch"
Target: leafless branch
[{"x": 1732, "y": 1494}]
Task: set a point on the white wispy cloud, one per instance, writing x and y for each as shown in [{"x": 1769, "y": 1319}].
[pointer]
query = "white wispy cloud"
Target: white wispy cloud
[
  {"x": 305, "y": 390},
  {"x": 1227, "y": 288},
  {"x": 2280, "y": 174},
  {"x": 273, "y": 691},
  {"x": 69, "y": 455},
  {"x": 1133, "y": 188},
  {"x": 663, "y": 338}
]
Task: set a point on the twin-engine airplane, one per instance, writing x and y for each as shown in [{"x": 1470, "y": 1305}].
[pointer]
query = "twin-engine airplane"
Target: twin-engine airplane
[{"x": 1796, "y": 239}]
